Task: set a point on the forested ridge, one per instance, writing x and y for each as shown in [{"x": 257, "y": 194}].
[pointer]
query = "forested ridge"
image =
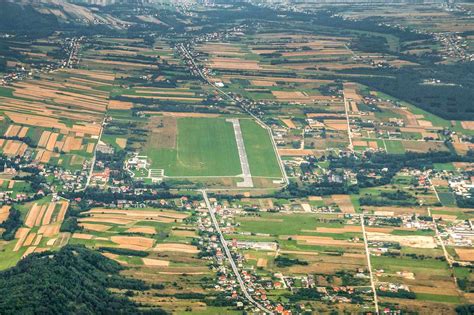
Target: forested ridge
[{"x": 74, "y": 280}]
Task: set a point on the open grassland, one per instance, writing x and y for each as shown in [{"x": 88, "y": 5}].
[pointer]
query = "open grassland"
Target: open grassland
[
  {"x": 260, "y": 152},
  {"x": 204, "y": 147}
]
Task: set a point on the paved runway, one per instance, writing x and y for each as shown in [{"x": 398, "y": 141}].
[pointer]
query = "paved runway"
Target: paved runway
[{"x": 244, "y": 162}]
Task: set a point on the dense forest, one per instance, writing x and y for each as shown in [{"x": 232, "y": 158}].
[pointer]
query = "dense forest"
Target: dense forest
[{"x": 74, "y": 280}]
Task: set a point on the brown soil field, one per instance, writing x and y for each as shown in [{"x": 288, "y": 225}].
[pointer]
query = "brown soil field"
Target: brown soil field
[
  {"x": 420, "y": 146},
  {"x": 82, "y": 236},
  {"x": 121, "y": 142},
  {"x": 133, "y": 242},
  {"x": 12, "y": 131},
  {"x": 346, "y": 228},
  {"x": 49, "y": 213},
  {"x": 29, "y": 239},
  {"x": 44, "y": 139},
  {"x": 262, "y": 262},
  {"x": 140, "y": 214},
  {"x": 439, "y": 288},
  {"x": 360, "y": 143},
  {"x": 12, "y": 147},
  {"x": 142, "y": 229},
  {"x": 176, "y": 247},
  {"x": 463, "y": 148},
  {"x": 32, "y": 215},
  {"x": 40, "y": 215},
  {"x": 289, "y": 123},
  {"x": 344, "y": 202},
  {"x": 373, "y": 145},
  {"x": 425, "y": 123},
  {"x": 284, "y": 95},
  {"x": 119, "y": 64},
  {"x": 263, "y": 83},
  {"x": 49, "y": 230},
  {"x": 234, "y": 63},
  {"x": 119, "y": 105},
  {"x": 22, "y": 133},
  {"x": 115, "y": 257},
  {"x": 409, "y": 241},
  {"x": 155, "y": 262},
  {"x": 111, "y": 220},
  {"x": 336, "y": 124},
  {"x": 466, "y": 254},
  {"x": 38, "y": 240},
  {"x": 219, "y": 47},
  {"x": 183, "y": 233},
  {"x": 294, "y": 152},
  {"x": 21, "y": 235},
  {"x": 95, "y": 227},
  {"x": 4, "y": 213},
  {"x": 162, "y": 137},
  {"x": 469, "y": 125},
  {"x": 72, "y": 144},
  {"x": 321, "y": 240}
]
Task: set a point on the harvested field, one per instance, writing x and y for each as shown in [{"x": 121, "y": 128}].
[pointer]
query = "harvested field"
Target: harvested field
[
  {"x": 176, "y": 247},
  {"x": 44, "y": 139},
  {"x": 121, "y": 142},
  {"x": 294, "y": 152},
  {"x": 120, "y": 105},
  {"x": 289, "y": 123},
  {"x": 142, "y": 229},
  {"x": 21, "y": 235},
  {"x": 409, "y": 241},
  {"x": 469, "y": 125},
  {"x": 29, "y": 239},
  {"x": 183, "y": 233},
  {"x": 52, "y": 141},
  {"x": 107, "y": 220},
  {"x": 82, "y": 236},
  {"x": 336, "y": 124},
  {"x": 95, "y": 227},
  {"x": 465, "y": 254},
  {"x": 345, "y": 229},
  {"x": 234, "y": 63},
  {"x": 344, "y": 202},
  {"x": 49, "y": 230},
  {"x": 324, "y": 241},
  {"x": 155, "y": 262},
  {"x": 262, "y": 262},
  {"x": 49, "y": 214},
  {"x": 133, "y": 242},
  {"x": 12, "y": 131},
  {"x": 263, "y": 83},
  {"x": 290, "y": 96},
  {"x": 4, "y": 213},
  {"x": 32, "y": 215}
]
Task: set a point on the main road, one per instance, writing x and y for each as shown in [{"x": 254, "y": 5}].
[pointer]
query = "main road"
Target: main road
[
  {"x": 242, "y": 285},
  {"x": 369, "y": 265}
]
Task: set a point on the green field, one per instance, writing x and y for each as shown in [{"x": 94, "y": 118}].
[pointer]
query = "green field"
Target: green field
[
  {"x": 204, "y": 147},
  {"x": 207, "y": 147},
  {"x": 260, "y": 153}
]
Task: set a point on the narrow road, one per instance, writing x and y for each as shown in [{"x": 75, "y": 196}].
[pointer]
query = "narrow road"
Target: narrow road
[
  {"x": 229, "y": 256},
  {"x": 349, "y": 132},
  {"x": 369, "y": 264},
  {"x": 91, "y": 170}
]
